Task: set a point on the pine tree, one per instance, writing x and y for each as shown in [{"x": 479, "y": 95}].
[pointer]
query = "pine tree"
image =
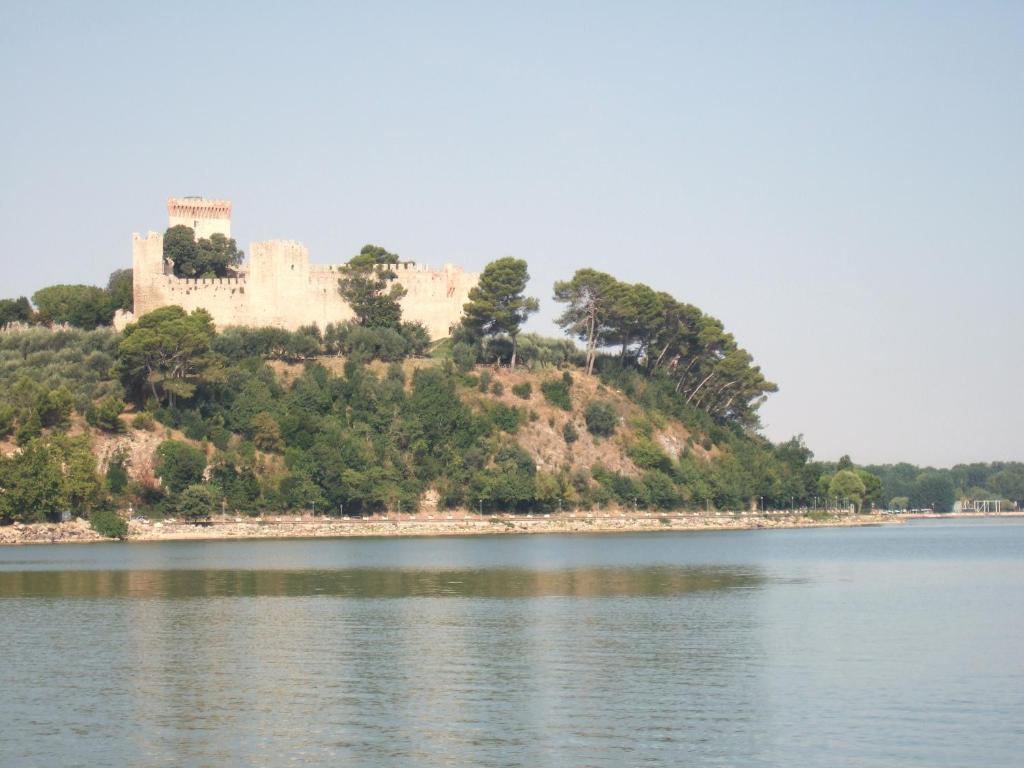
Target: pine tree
[{"x": 497, "y": 304}]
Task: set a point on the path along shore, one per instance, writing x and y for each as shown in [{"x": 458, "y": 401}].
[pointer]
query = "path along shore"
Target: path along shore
[{"x": 456, "y": 524}]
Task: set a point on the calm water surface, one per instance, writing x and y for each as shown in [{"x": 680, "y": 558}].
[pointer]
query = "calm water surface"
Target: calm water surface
[{"x": 892, "y": 646}]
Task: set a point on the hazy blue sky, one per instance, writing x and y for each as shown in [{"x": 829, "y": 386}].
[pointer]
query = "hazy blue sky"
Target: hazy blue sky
[{"x": 841, "y": 183}]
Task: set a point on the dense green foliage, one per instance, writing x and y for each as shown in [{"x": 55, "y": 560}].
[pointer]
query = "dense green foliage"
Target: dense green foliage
[
  {"x": 167, "y": 354},
  {"x": 107, "y": 522},
  {"x": 556, "y": 391},
  {"x": 83, "y": 306},
  {"x": 601, "y": 418},
  {"x": 215, "y": 256},
  {"x": 15, "y": 311},
  {"x": 80, "y": 306},
  {"x": 368, "y": 286},
  {"x": 179, "y": 465},
  {"x": 665, "y": 339},
  {"x": 45, "y": 375},
  {"x": 121, "y": 290},
  {"x": 497, "y": 305},
  {"x": 46, "y": 477}
]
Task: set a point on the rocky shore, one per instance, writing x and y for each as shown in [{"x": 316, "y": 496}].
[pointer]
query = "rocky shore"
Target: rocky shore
[
  {"x": 74, "y": 532},
  {"x": 281, "y": 527}
]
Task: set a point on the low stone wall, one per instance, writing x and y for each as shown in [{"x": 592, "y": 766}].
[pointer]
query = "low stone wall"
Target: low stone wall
[{"x": 454, "y": 525}]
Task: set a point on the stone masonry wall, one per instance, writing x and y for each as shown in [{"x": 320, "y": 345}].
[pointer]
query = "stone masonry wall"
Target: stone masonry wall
[{"x": 280, "y": 288}]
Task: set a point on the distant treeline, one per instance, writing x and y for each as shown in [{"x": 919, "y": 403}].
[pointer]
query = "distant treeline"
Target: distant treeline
[
  {"x": 80, "y": 306},
  {"x": 910, "y": 487}
]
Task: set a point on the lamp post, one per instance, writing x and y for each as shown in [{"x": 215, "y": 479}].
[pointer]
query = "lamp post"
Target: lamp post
[{"x": 481, "y": 507}]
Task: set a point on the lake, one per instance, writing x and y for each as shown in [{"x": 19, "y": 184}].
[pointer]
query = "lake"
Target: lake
[{"x": 877, "y": 646}]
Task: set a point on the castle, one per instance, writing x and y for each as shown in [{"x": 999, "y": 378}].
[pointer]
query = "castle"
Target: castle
[{"x": 278, "y": 286}]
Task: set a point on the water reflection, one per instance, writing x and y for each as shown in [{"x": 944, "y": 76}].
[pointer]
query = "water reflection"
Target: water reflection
[{"x": 379, "y": 582}]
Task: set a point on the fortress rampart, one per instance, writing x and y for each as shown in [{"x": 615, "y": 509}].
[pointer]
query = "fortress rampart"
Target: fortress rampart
[{"x": 279, "y": 287}]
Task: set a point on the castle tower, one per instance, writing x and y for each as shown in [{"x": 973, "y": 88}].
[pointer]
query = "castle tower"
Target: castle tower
[{"x": 205, "y": 217}]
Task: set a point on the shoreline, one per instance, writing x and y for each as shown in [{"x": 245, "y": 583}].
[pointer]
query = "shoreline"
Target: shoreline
[{"x": 306, "y": 527}]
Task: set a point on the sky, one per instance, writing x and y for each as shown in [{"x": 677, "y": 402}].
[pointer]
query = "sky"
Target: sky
[{"x": 842, "y": 184}]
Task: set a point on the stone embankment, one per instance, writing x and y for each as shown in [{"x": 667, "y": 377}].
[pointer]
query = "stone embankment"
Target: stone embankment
[
  {"x": 72, "y": 532},
  {"x": 421, "y": 525}
]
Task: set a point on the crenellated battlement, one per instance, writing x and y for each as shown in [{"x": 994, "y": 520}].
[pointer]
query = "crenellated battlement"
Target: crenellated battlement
[{"x": 278, "y": 286}]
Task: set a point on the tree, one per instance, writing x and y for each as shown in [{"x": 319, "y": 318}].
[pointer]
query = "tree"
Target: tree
[
  {"x": 266, "y": 433},
  {"x": 180, "y": 247},
  {"x": 47, "y": 477},
  {"x": 121, "y": 290},
  {"x": 368, "y": 286},
  {"x": 497, "y": 305},
  {"x": 179, "y": 465},
  {"x": 209, "y": 257},
  {"x": 216, "y": 256},
  {"x": 15, "y": 311},
  {"x": 168, "y": 351},
  {"x": 83, "y": 306},
  {"x": 196, "y": 502},
  {"x": 31, "y": 488},
  {"x": 846, "y": 485},
  {"x": 589, "y": 296},
  {"x": 933, "y": 490},
  {"x": 874, "y": 489},
  {"x": 1009, "y": 483},
  {"x": 81, "y": 486}
]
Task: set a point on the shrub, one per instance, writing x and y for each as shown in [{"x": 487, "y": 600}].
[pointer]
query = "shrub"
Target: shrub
[
  {"x": 106, "y": 522},
  {"x": 505, "y": 418},
  {"x": 104, "y": 414},
  {"x": 497, "y": 389},
  {"x": 646, "y": 454},
  {"x": 464, "y": 356},
  {"x": 601, "y": 418},
  {"x": 366, "y": 344},
  {"x": 522, "y": 391},
  {"x": 117, "y": 471},
  {"x": 569, "y": 433},
  {"x": 144, "y": 420},
  {"x": 556, "y": 392},
  {"x": 484, "y": 382}
]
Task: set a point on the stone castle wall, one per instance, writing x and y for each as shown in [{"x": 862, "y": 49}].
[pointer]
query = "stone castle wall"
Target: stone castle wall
[{"x": 281, "y": 288}]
